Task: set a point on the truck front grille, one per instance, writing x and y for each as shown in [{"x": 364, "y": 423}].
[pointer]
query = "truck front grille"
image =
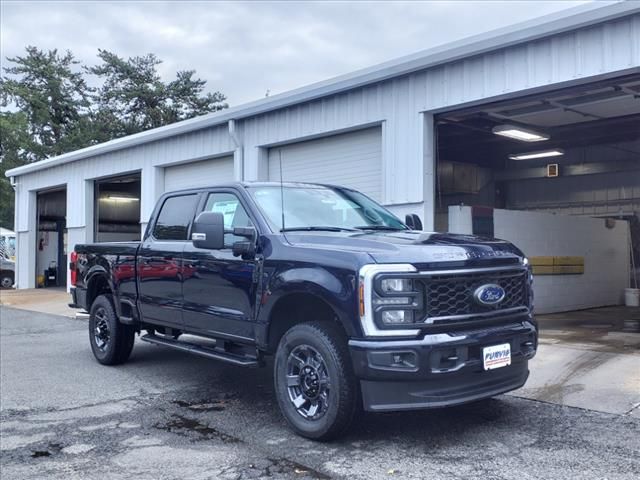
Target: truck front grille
[{"x": 449, "y": 295}]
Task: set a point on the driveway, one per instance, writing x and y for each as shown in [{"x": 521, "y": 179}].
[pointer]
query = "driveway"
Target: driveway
[{"x": 167, "y": 415}]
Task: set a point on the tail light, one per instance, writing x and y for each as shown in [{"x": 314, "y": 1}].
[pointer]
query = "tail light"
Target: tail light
[{"x": 73, "y": 268}]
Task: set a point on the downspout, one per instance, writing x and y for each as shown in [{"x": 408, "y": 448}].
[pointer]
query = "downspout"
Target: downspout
[
  {"x": 238, "y": 154},
  {"x": 16, "y": 273}
]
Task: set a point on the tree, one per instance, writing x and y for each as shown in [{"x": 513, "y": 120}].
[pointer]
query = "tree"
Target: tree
[
  {"x": 133, "y": 97},
  {"x": 44, "y": 100},
  {"x": 54, "y": 98},
  {"x": 15, "y": 146},
  {"x": 48, "y": 108}
]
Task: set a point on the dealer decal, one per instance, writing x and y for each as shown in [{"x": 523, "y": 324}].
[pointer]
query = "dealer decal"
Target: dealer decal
[{"x": 496, "y": 356}]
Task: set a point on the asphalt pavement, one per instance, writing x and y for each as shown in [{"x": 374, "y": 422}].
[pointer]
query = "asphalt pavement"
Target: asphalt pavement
[{"x": 169, "y": 415}]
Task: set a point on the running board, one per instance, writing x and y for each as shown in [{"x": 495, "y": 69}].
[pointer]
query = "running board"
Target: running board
[{"x": 202, "y": 351}]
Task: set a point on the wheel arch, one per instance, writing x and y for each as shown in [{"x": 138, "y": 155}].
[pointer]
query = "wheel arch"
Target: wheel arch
[
  {"x": 300, "y": 306},
  {"x": 97, "y": 284}
]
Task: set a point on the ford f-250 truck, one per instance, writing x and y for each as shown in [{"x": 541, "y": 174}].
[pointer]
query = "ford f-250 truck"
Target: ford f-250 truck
[{"x": 357, "y": 309}]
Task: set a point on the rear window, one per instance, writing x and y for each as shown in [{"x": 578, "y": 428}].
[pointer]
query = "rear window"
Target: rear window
[{"x": 174, "y": 218}]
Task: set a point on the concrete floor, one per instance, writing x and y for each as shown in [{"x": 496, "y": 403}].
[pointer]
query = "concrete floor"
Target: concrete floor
[
  {"x": 169, "y": 415},
  {"x": 53, "y": 300},
  {"x": 588, "y": 359}
]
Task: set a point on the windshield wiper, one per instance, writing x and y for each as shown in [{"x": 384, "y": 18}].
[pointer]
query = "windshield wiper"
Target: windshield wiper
[
  {"x": 318, "y": 228},
  {"x": 380, "y": 227}
]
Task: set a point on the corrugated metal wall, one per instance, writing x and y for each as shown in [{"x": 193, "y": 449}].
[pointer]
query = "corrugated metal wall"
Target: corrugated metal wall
[{"x": 397, "y": 105}]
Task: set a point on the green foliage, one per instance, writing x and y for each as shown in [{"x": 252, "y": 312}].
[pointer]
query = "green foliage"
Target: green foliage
[
  {"x": 48, "y": 107},
  {"x": 44, "y": 86},
  {"x": 15, "y": 148},
  {"x": 133, "y": 98}
]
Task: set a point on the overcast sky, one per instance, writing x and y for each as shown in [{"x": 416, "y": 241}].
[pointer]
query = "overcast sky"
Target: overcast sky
[{"x": 246, "y": 48}]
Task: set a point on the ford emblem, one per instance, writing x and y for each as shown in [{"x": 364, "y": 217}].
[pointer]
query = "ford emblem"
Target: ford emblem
[{"x": 490, "y": 294}]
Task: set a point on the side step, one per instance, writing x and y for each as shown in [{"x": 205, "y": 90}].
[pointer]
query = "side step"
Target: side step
[{"x": 216, "y": 354}]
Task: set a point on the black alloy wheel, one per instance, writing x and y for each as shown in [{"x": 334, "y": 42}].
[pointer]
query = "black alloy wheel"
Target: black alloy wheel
[
  {"x": 308, "y": 382},
  {"x": 101, "y": 332}
]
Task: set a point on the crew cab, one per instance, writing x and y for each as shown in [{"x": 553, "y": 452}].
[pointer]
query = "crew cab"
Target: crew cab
[{"x": 357, "y": 308}]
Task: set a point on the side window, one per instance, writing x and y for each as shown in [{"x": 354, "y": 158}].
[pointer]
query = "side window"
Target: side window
[
  {"x": 234, "y": 214},
  {"x": 174, "y": 218}
]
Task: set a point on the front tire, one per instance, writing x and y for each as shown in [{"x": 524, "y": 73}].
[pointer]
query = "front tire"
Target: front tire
[
  {"x": 111, "y": 341},
  {"x": 314, "y": 382}
]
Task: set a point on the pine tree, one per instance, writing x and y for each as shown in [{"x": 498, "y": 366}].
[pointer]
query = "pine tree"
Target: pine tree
[
  {"x": 49, "y": 88},
  {"x": 133, "y": 97},
  {"x": 48, "y": 108}
]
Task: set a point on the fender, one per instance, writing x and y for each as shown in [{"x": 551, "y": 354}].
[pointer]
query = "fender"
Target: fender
[
  {"x": 336, "y": 287},
  {"x": 100, "y": 270}
]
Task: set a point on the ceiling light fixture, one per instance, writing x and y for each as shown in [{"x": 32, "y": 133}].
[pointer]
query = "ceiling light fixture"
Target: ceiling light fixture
[
  {"x": 120, "y": 198},
  {"x": 556, "y": 152},
  {"x": 519, "y": 133}
]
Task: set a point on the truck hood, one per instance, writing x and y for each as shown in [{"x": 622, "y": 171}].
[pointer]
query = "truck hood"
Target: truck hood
[{"x": 410, "y": 246}]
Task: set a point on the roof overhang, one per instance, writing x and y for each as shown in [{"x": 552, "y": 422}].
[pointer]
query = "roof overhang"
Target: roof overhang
[{"x": 553, "y": 24}]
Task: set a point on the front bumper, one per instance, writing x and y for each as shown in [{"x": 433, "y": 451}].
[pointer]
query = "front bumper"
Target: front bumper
[{"x": 440, "y": 369}]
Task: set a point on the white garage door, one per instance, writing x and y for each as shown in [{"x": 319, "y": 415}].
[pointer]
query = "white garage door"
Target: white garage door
[
  {"x": 351, "y": 159},
  {"x": 198, "y": 174}
]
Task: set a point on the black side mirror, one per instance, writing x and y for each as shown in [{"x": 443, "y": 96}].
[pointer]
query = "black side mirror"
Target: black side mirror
[
  {"x": 413, "y": 221},
  {"x": 245, "y": 249},
  {"x": 208, "y": 231}
]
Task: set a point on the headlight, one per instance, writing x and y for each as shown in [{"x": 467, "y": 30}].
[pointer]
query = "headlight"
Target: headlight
[
  {"x": 396, "y": 301},
  {"x": 388, "y": 302},
  {"x": 390, "y": 285}
]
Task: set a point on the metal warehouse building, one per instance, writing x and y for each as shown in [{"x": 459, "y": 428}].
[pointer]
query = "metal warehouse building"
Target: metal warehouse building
[{"x": 529, "y": 133}]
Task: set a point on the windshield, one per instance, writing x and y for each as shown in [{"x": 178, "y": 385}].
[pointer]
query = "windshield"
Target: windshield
[{"x": 322, "y": 208}]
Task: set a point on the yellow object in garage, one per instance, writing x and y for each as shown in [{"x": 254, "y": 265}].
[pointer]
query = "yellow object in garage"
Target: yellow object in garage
[
  {"x": 40, "y": 281},
  {"x": 560, "y": 265}
]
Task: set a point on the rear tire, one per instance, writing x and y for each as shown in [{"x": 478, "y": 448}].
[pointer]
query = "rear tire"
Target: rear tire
[
  {"x": 6, "y": 280},
  {"x": 111, "y": 341},
  {"x": 314, "y": 381}
]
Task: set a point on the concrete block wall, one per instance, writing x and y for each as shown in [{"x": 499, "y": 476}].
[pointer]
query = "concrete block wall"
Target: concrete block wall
[{"x": 605, "y": 251}]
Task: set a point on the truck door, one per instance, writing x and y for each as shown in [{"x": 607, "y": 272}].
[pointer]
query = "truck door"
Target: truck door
[
  {"x": 160, "y": 261},
  {"x": 219, "y": 289}
]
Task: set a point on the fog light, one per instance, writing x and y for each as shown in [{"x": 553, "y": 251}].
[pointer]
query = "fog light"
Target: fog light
[
  {"x": 396, "y": 317},
  {"x": 402, "y": 360}
]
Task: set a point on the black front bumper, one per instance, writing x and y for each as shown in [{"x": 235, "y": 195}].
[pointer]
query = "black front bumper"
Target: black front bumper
[{"x": 440, "y": 369}]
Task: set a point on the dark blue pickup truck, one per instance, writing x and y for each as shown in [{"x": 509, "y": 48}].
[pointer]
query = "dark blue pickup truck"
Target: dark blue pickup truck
[{"x": 358, "y": 309}]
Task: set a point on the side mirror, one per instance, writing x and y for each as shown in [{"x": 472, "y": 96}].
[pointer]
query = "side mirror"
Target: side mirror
[
  {"x": 244, "y": 249},
  {"x": 413, "y": 221},
  {"x": 208, "y": 231}
]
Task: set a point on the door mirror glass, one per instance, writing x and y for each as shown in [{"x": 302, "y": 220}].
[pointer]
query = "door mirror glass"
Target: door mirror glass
[
  {"x": 208, "y": 231},
  {"x": 413, "y": 221}
]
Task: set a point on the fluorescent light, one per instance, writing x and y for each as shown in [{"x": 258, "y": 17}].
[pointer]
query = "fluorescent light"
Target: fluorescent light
[
  {"x": 556, "y": 152},
  {"x": 519, "y": 133},
  {"x": 120, "y": 198}
]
